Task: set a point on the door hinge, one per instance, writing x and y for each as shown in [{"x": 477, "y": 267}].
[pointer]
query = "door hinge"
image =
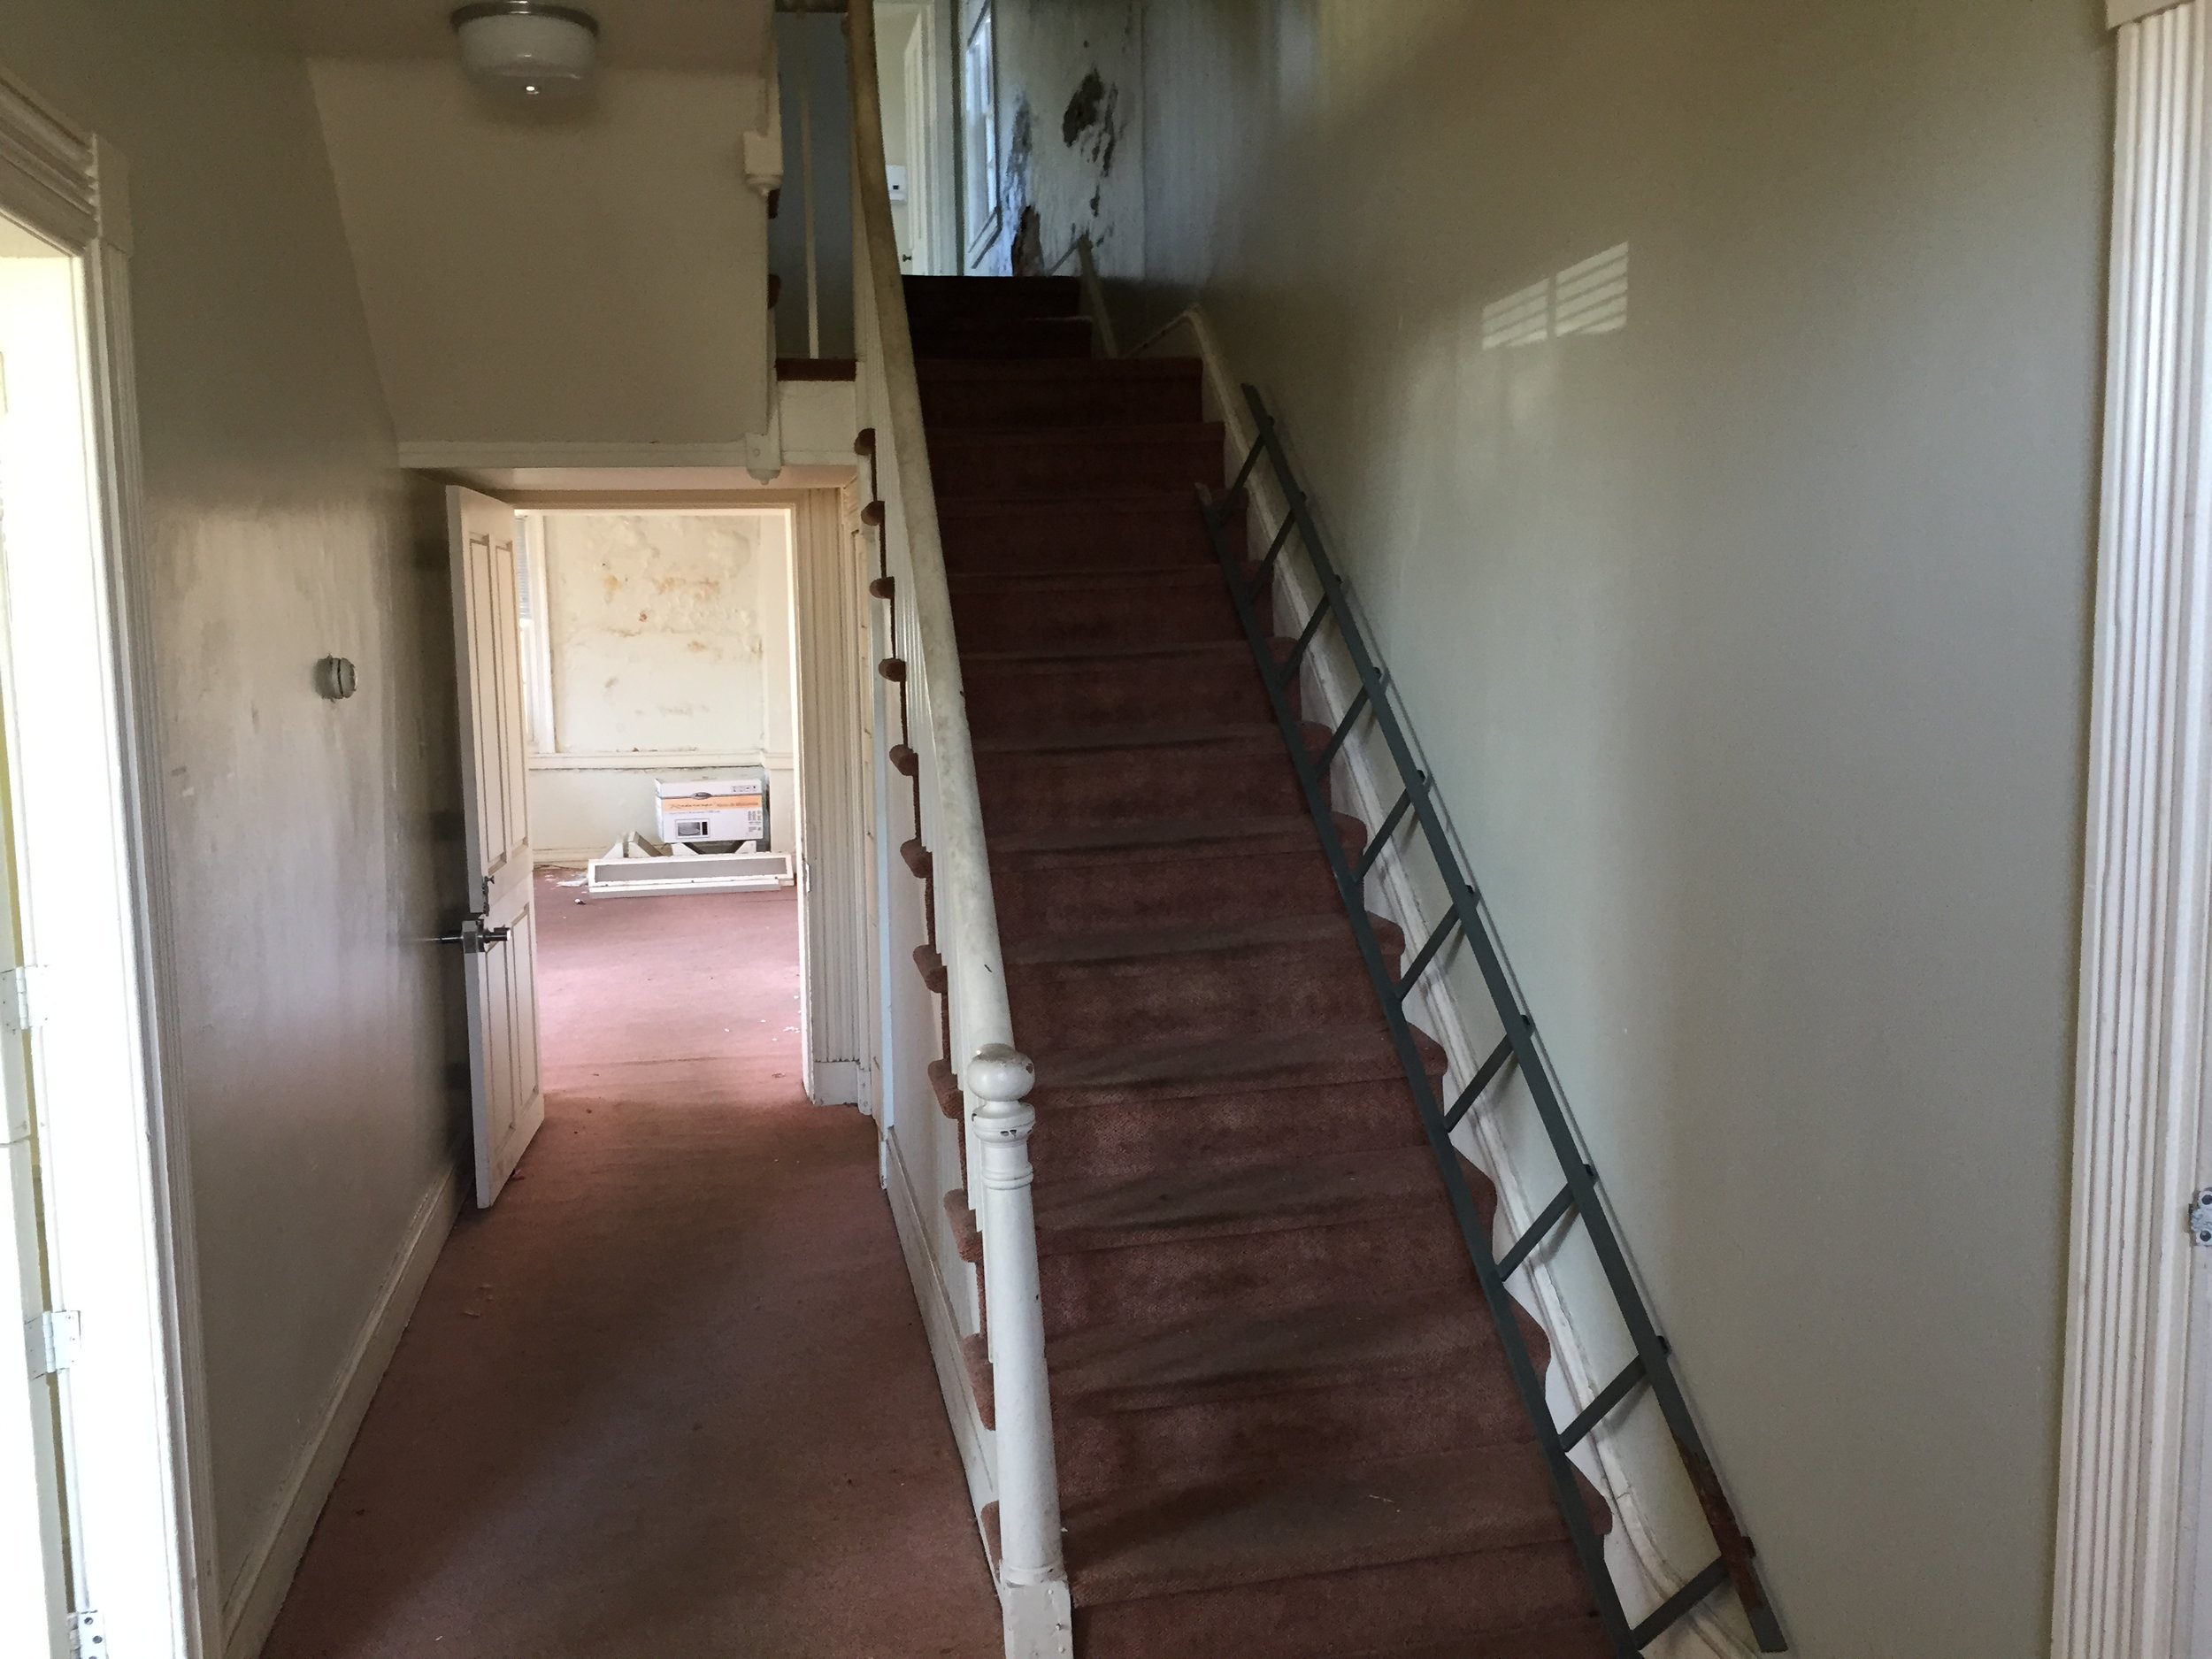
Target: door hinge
[
  {"x": 19, "y": 1007},
  {"x": 52, "y": 1341},
  {"x": 2201, "y": 1218},
  {"x": 87, "y": 1639}
]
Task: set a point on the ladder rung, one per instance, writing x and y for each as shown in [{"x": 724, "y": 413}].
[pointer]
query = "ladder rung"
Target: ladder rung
[
  {"x": 1602, "y": 1407},
  {"x": 1244, "y": 472},
  {"x": 1480, "y": 1081},
  {"x": 1428, "y": 953},
  {"x": 1543, "y": 1224},
  {"x": 1343, "y": 730},
  {"x": 1381, "y": 838},
  {"x": 1313, "y": 626},
  {"x": 1665, "y": 1615},
  {"x": 1267, "y": 564}
]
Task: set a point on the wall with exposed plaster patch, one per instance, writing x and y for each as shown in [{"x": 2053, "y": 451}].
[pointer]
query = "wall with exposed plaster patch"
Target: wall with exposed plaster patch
[
  {"x": 667, "y": 653},
  {"x": 1071, "y": 134}
]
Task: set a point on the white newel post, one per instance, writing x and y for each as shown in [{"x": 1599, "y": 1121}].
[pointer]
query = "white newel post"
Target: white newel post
[{"x": 1038, "y": 1623}]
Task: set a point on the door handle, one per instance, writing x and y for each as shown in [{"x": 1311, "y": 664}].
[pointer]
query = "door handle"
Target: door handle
[{"x": 475, "y": 937}]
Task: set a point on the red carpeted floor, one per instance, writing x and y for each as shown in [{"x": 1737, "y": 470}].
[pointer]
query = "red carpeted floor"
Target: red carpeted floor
[{"x": 672, "y": 1396}]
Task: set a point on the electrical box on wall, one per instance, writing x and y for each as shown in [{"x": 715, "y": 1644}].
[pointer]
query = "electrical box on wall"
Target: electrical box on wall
[{"x": 896, "y": 176}]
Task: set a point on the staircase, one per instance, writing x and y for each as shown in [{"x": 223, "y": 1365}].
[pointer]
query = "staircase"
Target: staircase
[{"x": 1284, "y": 1424}]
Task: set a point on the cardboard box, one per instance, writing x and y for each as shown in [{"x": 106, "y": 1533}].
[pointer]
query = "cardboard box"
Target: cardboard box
[{"x": 711, "y": 809}]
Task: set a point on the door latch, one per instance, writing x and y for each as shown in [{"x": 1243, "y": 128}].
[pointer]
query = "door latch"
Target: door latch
[{"x": 475, "y": 937}]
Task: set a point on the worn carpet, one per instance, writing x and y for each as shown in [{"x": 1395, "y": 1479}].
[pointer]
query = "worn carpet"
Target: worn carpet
[{"x": 671, "y": 1395}]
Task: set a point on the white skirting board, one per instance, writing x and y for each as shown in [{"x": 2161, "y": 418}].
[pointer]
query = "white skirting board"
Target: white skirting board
[
  {"x": 251, "y": 1602},
  {"x": 1632, "y": 1548},
  {"x": 943, "y": 1330}
]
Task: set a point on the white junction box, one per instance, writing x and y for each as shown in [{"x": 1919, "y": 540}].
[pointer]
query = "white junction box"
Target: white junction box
[{"x": 733, "y": 808}]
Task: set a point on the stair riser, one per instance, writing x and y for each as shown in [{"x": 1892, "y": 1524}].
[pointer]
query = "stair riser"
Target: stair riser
[
  {"x": 1367, "y": 1610},
  {"x": 1191, "y": 995},
  {"x": 1192, "y": 892},
  {"x": 1257, "y": 1271},
  {"x": 1079, "y": 618},
  {"x": 1080, "y": 464},
  {"x": 1012, "y": 338},
  {"x": 1220, "y": 690},
  {"x": 1432, "y": 1413},
  {"x": 1080, "y": 399},
  {"x": 1229, "y": 1131},
  {"x": 1029, "y": 541},
  {"x": 1038, "y": 789},
  {"x": 932, "y": 301}
]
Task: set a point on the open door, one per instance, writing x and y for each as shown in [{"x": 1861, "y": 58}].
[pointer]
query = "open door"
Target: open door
[{"x": 500, "y": 934}]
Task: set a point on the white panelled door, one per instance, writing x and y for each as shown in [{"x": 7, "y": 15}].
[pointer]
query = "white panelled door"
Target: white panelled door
[{"x": 500, "y": 934}]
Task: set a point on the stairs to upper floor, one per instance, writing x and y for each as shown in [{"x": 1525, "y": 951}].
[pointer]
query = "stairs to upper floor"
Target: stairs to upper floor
[{"x": 1283, "y": 1416}]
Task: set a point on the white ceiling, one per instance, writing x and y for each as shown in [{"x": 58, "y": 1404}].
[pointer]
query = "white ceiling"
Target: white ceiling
[{"x": 730, "y": 36}]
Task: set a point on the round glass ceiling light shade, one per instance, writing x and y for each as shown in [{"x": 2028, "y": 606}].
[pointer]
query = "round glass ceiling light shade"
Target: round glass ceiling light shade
[{"x": 521, "y": 50}]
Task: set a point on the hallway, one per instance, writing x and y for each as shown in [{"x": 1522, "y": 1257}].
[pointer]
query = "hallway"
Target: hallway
[{"x": 671, "y": 1395}]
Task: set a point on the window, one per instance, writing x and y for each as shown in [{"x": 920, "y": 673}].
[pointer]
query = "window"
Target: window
[{"x": 979, "y": 134}]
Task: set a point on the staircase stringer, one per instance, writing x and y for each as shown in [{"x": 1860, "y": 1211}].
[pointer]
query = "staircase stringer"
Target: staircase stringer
[{"x": 1642, "y": 1566}]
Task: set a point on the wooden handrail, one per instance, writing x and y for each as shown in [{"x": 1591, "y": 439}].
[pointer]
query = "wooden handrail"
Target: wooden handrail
[{"x": 995, "y": 1076}]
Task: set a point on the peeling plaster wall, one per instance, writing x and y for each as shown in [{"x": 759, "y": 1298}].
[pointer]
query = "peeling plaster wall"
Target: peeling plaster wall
[
  {"x": 1745, "y": 617},
  {"x": 670, "y": 644},
  {"x": 1071, "y": 134}
]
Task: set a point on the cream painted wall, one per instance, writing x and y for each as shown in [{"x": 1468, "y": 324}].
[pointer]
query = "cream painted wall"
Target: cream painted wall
[
  {"x": 309, "y": 842},
  {"x": 670, "y": 637},
  {"x": 1748, "y": 642},
  {"x": 591, "y": 278}
]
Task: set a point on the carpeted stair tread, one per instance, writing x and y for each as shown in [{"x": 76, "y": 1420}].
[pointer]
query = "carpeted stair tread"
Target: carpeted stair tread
[
  {"x": 1182, "y": 836},
  {"x": 937, "y": 298},
  {"x": 1077, "y": 375},
  {"x": 1099, "y": 945},
  {"x": 1016, "y": 437},
  {"x": 1581, "y": 1638},
  {"x": 1215, "y": 1356},
  {"x": 1154, "y": 577},
  {"x": 1168, "y": 655},
  {"x": 1128, "y": 1546},
  {"x": 1175, "y": 1205},
  {"x": 1243, "y": 737},
  {"x": 1350, "y": 1054}
]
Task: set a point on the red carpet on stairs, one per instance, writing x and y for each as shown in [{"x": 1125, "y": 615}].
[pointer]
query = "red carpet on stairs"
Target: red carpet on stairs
[
  {"x": 1285, "y": 1428},
  {"x": 671, "y": 1397}
]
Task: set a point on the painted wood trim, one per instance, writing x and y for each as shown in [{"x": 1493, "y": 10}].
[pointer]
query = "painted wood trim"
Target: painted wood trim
[
  {"x": 2146, "y": 925},
  {"x": 257, "y": 1594},
  {"x": 73, "y": 186},
  {"x": 2118, "y": 13},
  {"x": 648, "y": 760},
  {"x": 1365, "y": 779},
  {"x": 825, "y": 616}
]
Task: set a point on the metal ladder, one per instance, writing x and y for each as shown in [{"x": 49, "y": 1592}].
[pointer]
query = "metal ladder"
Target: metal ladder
[{"x": 1651, "y": 1368}]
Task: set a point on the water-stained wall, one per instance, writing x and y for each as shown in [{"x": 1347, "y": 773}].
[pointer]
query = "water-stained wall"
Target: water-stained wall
[
  {"x": 669, "y": 640},
  {"x": 1071, "y": 134}
]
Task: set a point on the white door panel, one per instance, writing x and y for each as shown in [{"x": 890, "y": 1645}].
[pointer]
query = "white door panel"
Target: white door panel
[{"x": 506, "y": 1095}]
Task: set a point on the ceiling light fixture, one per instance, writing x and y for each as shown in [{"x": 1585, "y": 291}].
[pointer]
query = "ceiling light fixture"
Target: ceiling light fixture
[{"x": 540, "y": 50}]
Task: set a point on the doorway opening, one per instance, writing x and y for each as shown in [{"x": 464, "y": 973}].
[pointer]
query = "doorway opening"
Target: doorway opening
[
  {"x": 94, "y": 1498},
  {"x": 659, "y": 660}
]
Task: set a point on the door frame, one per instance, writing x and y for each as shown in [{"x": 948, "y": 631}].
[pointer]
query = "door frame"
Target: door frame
[
  {"x": 151, "y": 1534},
  {"x": 2132, "y": 1466},
  {"x": 829, "y": 766}
]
